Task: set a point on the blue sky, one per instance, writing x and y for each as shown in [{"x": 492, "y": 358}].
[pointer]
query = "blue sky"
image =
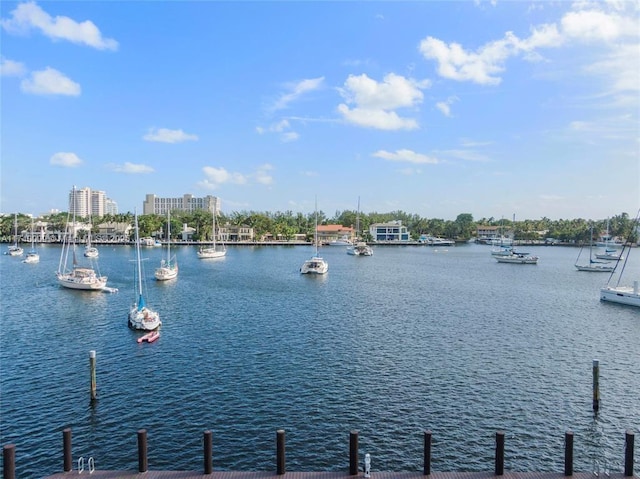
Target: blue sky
[{"x": 434, "y": 108}]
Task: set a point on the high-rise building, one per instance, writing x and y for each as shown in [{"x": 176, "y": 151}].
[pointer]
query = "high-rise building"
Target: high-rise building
[
  {"x": 85, "y": 202},
  {"x": 155, "y": 205}
]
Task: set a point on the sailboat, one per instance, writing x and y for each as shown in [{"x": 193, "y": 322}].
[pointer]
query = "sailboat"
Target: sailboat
[
  {"x": 89, "y": 250},
  {"x": 614, "y": 292},
  {"x": 140, "y": 316},
  {"x": 168, "y": 269},
  {"x": 359, "y": 248},
  {"x": 593, "y": 265},
  {"x": 14, "y": 249},
  {"x": 83, "y": 278},
  {"x": 214, "y": 251},
  {"x": 32, "y": 256},
  {"x": 316, "y": 264}
]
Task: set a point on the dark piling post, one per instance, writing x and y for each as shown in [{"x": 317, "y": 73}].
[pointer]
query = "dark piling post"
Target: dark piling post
[
  {"x": 142, "y": 450},
  {"x": 596, "y": 385},
  {"x": 280, "y": 453},
  {"x": 628, "y": 452},
  {"x": 92, "y": 368},
  {"x": 499, "y": 453},
  {"x": 9, "y": 458},
  {"x": 353, "y": 453},
  {"x": 66, "y": 450},
  {"x": 427, "y": 453},
  {"x": 208, "y": 452},
  {"x": 568, "y": 453}
]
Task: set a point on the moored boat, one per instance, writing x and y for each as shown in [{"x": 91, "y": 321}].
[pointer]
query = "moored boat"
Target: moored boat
[{"x": 517, "y": 258}]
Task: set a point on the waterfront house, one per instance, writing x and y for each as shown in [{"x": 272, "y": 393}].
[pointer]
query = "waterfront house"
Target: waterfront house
[
  {"x": 392, "y": 231},
  {"x": 329, "y": 233}
]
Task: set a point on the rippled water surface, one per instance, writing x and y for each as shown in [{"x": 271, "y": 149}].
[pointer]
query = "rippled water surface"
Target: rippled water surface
[{"x": 411, "y": 339}]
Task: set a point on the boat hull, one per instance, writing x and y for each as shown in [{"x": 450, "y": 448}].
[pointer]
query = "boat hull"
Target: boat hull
[
  {"x": 166, "y": 274},
  {"x": 211, "y": 254},
  {"x": 622, "y": 295},
  {"x": 595, "y": 269},
  {"x": 314, "y": 265},
  {"x": 82, "y": 279},
  {"x": 143, "y": 319},
  {"x": 515, "y": 259}
]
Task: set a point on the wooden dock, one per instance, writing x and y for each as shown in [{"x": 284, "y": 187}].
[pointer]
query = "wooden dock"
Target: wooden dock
[{"x": 325, "y": 475}]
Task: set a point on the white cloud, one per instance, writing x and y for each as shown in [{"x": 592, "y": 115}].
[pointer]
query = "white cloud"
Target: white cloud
[
  {"x": 50, "y": 82},
  {"x": 281, "y": 127},
  {"x": 374, "y": 102},
  {"x": 296, "y": 90},
  {"x": 214, "y": 177},
  {"x": 132, "y": 168},
  {"x": 29, "y": 16},
  {"x": 615, "y": 32},
  {"x": 164, "y": 135},
  {"x": 263, "y": 176},
  {"x": 11, "y": 68},
  {"x": 65, "y": 159},
  {"x": 407, "y": 156},
  {"x": 445, "y": 106}
]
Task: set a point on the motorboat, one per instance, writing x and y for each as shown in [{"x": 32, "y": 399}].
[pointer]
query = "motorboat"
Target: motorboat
[
  {"x": 360, "y": 249},
  {"x": 517, "y": 258}
]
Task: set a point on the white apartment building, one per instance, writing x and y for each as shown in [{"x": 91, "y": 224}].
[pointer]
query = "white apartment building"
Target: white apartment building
[
  {"x": 85, "y": 202},
  {"x": 187, "y": 202}
]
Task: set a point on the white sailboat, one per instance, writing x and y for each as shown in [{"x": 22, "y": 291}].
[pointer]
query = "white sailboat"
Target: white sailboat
[
  {"x": 359, "y": 248},
  {"x": 168, "y": 267},
  {"x": 316, "y": 264},
  {"x": 214, "y": 251},
  {"x": 77, "y": 277},
  {"x": 14, "y": 249},
  {"x": 616, "y": 291},
  {"x": 593, "y": 265},
  {"x": 90, "y": 251},
  {"x": 32, "y": 255},
  {"x": 140, "y": 316}
]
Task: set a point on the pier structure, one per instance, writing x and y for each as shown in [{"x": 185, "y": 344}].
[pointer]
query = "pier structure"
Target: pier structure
[{"x": 365, "y": 470}]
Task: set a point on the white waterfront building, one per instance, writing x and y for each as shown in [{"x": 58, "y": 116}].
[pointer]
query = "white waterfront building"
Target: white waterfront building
[
  {"x": 187, "y": 202},
  {"x": 88, "y": 202}
]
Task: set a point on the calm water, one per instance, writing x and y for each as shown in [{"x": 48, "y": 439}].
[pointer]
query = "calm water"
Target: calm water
[{"x": 410, "y": 339}]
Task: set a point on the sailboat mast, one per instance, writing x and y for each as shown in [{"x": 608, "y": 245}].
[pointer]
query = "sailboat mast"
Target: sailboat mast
[
  {"x": 139, "y": 264},
  {"x": 168, "y": 237}
]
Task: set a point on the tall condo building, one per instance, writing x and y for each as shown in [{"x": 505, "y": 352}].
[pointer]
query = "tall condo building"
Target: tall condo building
[
  {"x": 154, "y": 205},
  {"x": 88, "y": 202}
]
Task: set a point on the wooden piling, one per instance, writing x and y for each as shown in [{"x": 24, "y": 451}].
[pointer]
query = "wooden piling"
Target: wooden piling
[
  {"x": 568, "y": 453},
  {"x": 281, "y": 467},
  {"x": 628, "y": 452},
  {"x": 9, "y": 464},
  {"x": 427, "y": 453},
  {"x": 596, "y": 386},
  {"x": 142, "y": 450},
  {"x": 66, "y": 450},
  {"x": 92, "y": 368},
  {"x": 208, "y": 452},
  {"x": 353, "y": 453},
  {"x": 499, "y": 453}
]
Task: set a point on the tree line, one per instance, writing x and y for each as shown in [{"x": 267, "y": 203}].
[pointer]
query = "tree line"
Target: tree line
[{"x": 287, "y": 224}]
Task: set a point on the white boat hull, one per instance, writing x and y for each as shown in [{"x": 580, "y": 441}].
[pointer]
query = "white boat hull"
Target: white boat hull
[
  {"x": 32, "y": 258},
  {"x": 622, "y": 295},
  {"x": 165, "y": 274},
  {"x": 517, "y": 259},
  {"x": 143, "y": 319},
  {"x": 315, "y": 265},
  {"x": 91, "y": 252},
  {"x": 82, "y": 279},
  {"x": 595, "y": 269},
  {"x": 210, "y": 253}
]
